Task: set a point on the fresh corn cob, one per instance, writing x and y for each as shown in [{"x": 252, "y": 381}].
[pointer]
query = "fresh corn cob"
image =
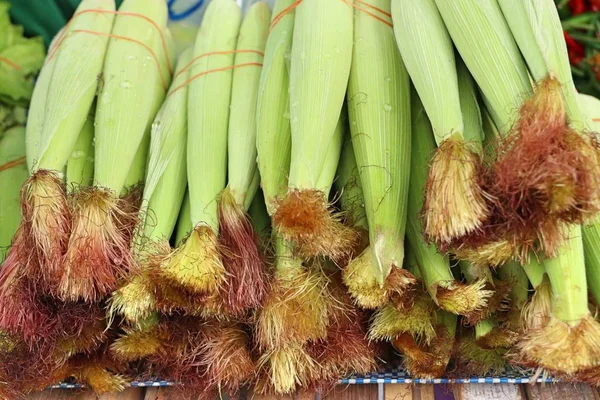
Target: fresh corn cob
[
  {"x": 164, "y": 191},
  {"x": 378, "y": 102},
  {"x": 246, "y": 286},
  {"x": 449, "y": 294},
  {"x": 568, "y": 344},
  {"x": 136, "y": 78},
  {"x": 273, "y": 129},
  {"x": 59, "y": 109},
  {"x": 455, "y": 204},
  {"x": 566, "y": 178},
  {"x": 320, "y": 66},
  {"x": 486, "y": 45},
  {"x": 37, "y": 107},
  {"x": 197, "y": 265}
]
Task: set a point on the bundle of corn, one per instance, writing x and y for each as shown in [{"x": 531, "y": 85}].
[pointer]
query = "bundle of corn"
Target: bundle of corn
[
  {"x": 69, "y": 252},
  {"x": 527, "y": 208},
  {"x": 321, "y": 56},
  {"x": 259, "y": 101}
]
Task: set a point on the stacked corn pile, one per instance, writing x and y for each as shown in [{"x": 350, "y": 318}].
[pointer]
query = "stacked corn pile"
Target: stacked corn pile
[{"x": 303, "y": 193}]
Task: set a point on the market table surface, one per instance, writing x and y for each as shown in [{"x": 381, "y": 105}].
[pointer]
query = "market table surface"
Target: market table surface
[{"x": 549, "y": 391}]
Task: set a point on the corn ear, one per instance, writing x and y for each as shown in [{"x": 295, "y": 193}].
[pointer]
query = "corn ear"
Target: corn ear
[
  {"x": 133, "y": 89},
  {"x": 378, "y": 105},
  {"x": 569, "y": 342},
  {"x": 80, "y": 166},
  {"x": 12, "y": 150},
  {"x": 320, "y": 66},
  {"x": 434, "y": 267},
  {"x": 208, "y": 110},
  {"x": 438, "y": 278},
  {"x": 537, "y": 29},
  {"x": 428, "y": 54},
  {"x": 166, "y": 180},
  {"x": 273, "y": 129},
  {"x": 79, "y": 60},
  {"x": 242, "y": 117},
  {"x": 486, "y": 45}
]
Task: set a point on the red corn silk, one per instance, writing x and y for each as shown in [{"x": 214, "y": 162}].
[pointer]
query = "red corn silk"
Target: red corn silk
[{"x": 576, "y": 49}]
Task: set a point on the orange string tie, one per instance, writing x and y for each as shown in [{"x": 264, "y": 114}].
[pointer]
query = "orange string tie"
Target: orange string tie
[
  {"x": 13, "y": 163},
  {"x": 260, "y": 53},
  {"x": 210, "y": 71},
  {"x": 284, "y": 12},
  {"x": 364, "y": 10},
  {"x": 371, "y": 6},
  {"x": 596, "y": 119},
  {"x": 100, "y": 11},
  {"x": 10, "y": 63},
  {"x": 154, "y": 57}
]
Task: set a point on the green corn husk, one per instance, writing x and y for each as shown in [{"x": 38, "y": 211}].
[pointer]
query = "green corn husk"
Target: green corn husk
[
  {"x": 486, "y": 45},
  {"x": 166, "y": 180},
  {"x": 536, "y": 27},
  {"x": 208, "y": 110},
  {"x": 37, "y": 108},
  {"x": 80, "y": 167},
  {"x": 164, "y": 190},
  {"x": 197, "y": 265},
  {"x": 242, "y": 117},
  {"x": 74, "y": 82},
  {"x": 246, "y": 286},
  {"x": 58, "y": 112},
  {"x": 454, "y": 203},
  {"x": 449, "y": 294},
  {"x": 378, "y": 101},
  {"x": 569, "y": 343},
  {"x": 103, "y": 225},
  {"x": 273, "y": 129},
  {"x": 13, "y": 172},
  {"x": 320, "y": 66},
  {"x": 132, "y": 92}
]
